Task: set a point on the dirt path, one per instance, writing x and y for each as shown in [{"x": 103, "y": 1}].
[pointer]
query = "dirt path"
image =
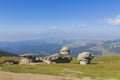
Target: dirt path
[
  {"x": 28, "y": 76},
  {"x": 25, "y": 76}
]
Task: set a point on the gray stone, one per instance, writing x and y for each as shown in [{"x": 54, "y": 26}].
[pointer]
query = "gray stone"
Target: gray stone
[
  {"x": 65, "y": 51},
  {"x": 85, "y": 57},
  {"x": 27, "y": 59},
  {"x": 10, "y": 62},
  {"x": 62, "y": 57}
]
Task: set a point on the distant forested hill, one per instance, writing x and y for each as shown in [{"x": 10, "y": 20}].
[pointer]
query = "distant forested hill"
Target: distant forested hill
[{"x": 4, "y": 53}]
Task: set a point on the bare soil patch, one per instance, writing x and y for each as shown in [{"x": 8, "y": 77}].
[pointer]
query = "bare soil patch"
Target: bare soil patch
[{"x": 27, "y": 76}]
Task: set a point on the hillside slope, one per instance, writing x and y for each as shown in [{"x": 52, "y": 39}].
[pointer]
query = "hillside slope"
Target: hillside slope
[{"x": 4, "y": 53}]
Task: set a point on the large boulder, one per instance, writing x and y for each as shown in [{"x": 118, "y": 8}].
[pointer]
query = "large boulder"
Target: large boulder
[
  {"x": 85, "y": 57},
  {"x": 62, "y": 57},
  {"x": 27, "y": 59}
]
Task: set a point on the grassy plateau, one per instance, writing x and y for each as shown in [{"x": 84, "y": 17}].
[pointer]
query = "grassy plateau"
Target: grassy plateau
[{"x": 106, "y": 67}]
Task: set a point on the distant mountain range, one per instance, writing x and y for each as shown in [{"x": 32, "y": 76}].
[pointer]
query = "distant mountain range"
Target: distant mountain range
[{"x": 97, "y": 47}]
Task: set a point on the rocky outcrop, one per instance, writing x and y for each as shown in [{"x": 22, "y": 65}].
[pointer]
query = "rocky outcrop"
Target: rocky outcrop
[
  {"x": 85, "y": 58},
  {"x": 62, "y": 57}
]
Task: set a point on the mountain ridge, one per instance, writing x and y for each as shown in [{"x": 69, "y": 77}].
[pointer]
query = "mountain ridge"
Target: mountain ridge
[{"x": 97, "y": 47}]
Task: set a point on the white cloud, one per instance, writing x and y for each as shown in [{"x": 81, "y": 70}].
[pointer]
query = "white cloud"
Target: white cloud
[
  {"x": 82, "y": 25},
  {"x": 114, "y": 21},
  {"x": 54, "y": 28}
]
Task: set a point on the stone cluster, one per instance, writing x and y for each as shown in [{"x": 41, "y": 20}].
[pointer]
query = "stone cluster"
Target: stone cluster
[{"x": 62, "y": 57}]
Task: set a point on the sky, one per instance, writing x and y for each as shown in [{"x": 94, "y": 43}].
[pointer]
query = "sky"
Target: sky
[{"x": 59, "y": 19}]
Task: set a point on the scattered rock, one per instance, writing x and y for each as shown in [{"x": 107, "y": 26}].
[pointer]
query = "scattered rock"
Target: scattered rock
[{"x": 85, "y": 57}]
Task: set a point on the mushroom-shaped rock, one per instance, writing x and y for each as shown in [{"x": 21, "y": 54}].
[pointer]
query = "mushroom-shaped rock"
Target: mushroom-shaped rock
[
  {"x": 62, "y": 57},
  {"x": 65, "y": 51},
  {"x": 85, "y": 57}
]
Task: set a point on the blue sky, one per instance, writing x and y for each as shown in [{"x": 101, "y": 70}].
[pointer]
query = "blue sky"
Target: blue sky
[{"x": 59, "y": 19}]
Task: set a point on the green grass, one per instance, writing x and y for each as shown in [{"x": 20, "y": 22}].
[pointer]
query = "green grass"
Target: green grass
[{"x": 101, "y": 67}]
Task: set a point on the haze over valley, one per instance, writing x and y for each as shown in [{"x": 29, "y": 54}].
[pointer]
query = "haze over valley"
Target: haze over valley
[{"x": 44, "y": 48}]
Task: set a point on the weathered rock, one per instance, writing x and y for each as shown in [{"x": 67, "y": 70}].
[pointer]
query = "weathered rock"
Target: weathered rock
[
  {"x": 27, "y": 58},
  {"x": 65, "y": 51},
  {"x": 85, "y": 57},
  {"x": 10, "y": 62},
  {"x": 62, "y": 57}
]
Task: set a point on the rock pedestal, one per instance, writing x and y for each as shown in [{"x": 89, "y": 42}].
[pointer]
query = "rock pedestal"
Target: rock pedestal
[{"x": 62, "y": 57}]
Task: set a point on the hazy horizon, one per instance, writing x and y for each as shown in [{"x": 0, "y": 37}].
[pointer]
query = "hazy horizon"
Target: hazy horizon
[{"x": 59, "y": 19}]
